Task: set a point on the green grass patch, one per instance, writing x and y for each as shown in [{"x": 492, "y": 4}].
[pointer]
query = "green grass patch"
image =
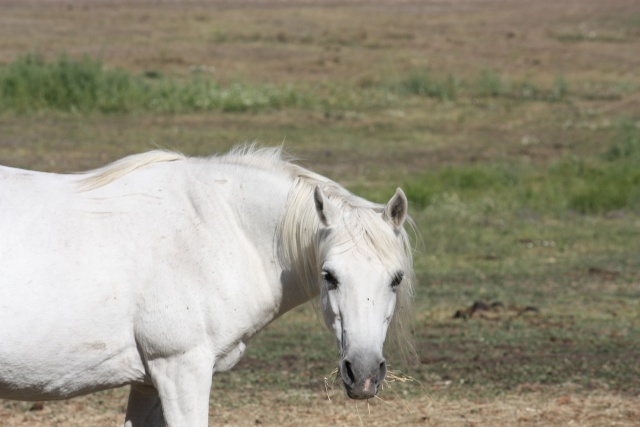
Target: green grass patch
[
  {"x": 85, "y": 85},
  {"x": 29, "y": 84},
  {"x": 420, "y": 81},
  {"x": 585, "y": 186},
  {"x": 491, "y": 84},
  {"x": 627, "y": 145},
  {"x": 606, "y": 188}
]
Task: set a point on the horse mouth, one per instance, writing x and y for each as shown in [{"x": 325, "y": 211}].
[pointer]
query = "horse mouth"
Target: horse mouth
[{"x": 365, "y": 390}]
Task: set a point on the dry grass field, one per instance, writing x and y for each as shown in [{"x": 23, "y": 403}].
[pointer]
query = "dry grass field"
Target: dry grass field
[
  {"x": 276, "y": 409},
  {"x": 510, "y": 110}
]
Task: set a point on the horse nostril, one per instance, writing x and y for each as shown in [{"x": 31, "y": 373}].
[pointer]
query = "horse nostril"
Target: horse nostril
[
  {"x": 383, "y": 371},
  {"x": 347, "y": 367}
]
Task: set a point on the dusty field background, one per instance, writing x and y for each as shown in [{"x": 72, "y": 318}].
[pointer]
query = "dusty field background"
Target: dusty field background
[{"x": 575, "y": 362}]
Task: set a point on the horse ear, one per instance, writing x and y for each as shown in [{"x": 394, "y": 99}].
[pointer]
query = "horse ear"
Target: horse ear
[
  {"x": 327, "y": 211},
  {"x": 396, "y": 210}
]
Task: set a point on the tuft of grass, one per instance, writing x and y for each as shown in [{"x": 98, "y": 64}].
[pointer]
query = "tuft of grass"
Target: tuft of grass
[
  {"x": 560, "y": 88},
  {"x": 607, "y": 187},
  {"x": 491, "y": 84},
  {"x": 420, "y": 81},
  {"x": 627, "y": 146},
  {"x": 615, "y": 184}
]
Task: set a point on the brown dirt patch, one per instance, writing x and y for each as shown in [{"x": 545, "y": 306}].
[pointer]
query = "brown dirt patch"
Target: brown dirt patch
[
  {"x": 548, "y": 407},
  {"x": 313, "y": 40}
]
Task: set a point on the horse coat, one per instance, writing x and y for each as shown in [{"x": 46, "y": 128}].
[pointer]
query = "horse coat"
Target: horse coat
[{"x": 154, "y": 271}]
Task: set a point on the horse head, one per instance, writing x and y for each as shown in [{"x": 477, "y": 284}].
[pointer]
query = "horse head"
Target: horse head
[{"x": 362, "y": 269}]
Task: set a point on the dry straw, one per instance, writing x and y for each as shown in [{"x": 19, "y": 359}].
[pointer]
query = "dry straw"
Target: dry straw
[{"x": 392, "y": 377}]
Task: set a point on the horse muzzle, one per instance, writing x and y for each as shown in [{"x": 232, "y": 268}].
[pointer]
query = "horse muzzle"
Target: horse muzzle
[{"x": 361, "y": 380}]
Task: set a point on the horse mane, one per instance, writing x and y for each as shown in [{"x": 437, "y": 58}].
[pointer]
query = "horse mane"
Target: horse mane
[
  {"x": 249, "y": 155},
  {"x": 106, "y": 175}
]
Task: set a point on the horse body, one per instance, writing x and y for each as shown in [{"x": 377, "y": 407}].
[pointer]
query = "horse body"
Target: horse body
[{"x": 154, "y": 272}]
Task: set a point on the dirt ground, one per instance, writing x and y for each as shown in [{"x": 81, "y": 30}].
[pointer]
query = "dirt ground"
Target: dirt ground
[
  {"x": 275, "y": 409},
  {"x": 314, "y": 40}
]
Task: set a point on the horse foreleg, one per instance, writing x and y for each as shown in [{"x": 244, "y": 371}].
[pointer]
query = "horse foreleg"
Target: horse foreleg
[
  {"x": 144, "y": 408},
  {"x": 184, "y": 383}
]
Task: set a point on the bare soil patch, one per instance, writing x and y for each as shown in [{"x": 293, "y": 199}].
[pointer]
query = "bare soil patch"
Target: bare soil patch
[
  {"x": 540, "y": 407},
  {"x": 324, "y": 41}
]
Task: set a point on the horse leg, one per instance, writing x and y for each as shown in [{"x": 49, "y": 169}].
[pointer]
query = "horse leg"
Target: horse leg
[
  {"x": 184, "y": 383},
  {"x": 144, "y": 408}
]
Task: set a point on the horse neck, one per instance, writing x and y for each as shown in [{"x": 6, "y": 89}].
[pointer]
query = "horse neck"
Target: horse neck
[{"x": 260, "y": 199}]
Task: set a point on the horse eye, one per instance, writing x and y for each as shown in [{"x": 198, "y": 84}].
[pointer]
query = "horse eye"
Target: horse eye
[
  {"x": 397, "y": 279},
  {"x": 328, "y": 277}
]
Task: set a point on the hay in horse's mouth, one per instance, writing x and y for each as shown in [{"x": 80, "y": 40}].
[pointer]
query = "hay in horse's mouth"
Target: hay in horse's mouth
[{"x": 391, "y": 377}]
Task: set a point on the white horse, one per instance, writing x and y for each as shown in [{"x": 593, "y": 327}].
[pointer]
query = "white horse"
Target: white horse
[{"x": 155, "y": 270}]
